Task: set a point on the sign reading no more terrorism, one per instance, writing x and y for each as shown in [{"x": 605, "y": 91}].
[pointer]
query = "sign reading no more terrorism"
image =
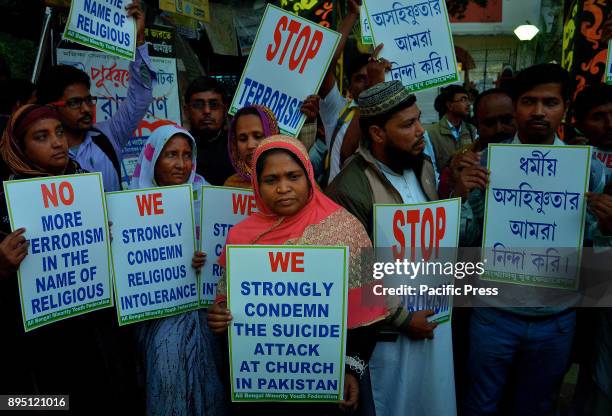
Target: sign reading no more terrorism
[
  {"x": 287, "y": 338},
  {"x": 287, "y": 62},
  {"x": 67, "y": 269}
]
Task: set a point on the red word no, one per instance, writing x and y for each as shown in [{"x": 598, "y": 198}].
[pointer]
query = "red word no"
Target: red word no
[{"x": 64, "y": 192}]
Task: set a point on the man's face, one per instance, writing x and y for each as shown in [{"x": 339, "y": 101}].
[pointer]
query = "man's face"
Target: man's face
[
  {"x": 206, "y": 112},
  {"x": 539, "y": 112},
  {"x": 402, "y": 135},
  {"x": 358, "y": 82},
  {"x": 597, "y": 126},
  {"x": 495, "y": 119},
  {"x": 77, "y": 111},
  {"x": 460, "y": 105}
]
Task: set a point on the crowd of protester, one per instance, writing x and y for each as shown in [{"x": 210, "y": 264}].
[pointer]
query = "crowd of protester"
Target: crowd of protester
[{"x": 362, "y": 147}]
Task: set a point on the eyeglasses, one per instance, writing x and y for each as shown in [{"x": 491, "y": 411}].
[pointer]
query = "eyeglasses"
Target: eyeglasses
[
  {"x": 76, "y": 102},
  {"x": 200, "y": 104}
]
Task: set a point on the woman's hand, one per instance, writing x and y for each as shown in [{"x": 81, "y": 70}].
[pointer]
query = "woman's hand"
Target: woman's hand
[
  {"x": 13, "y": 250},
  {"x": 198, "y": 260},
  {"x": 351, "y": 393},
  {"x": 219, "y": 317}
]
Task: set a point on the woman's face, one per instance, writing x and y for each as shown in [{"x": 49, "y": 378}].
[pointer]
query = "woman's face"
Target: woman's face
[
  {"x": 249, "y": 133},
  {"x": 283, "y": 184},
  {"x": 174, "y": 163},
  {"x": 45, "y": 146}
]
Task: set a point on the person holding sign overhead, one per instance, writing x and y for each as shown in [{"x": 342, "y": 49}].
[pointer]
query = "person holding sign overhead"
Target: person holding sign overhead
[
  {"x": 292, "y": 211},
  {"x": 56, "y": 358},
  {"x": 98, "y": 147},
  {"x": 179, "y": 352}
]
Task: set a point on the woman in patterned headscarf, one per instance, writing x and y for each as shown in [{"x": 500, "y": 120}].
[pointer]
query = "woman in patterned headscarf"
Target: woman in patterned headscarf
[
  {"x": 293, "y": 211},
  {"x": 180, "y": 354},
  {"x": 248, "y": 128}
]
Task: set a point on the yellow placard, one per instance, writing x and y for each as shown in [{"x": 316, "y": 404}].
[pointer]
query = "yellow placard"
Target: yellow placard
[{"x": 195, "y": 9}]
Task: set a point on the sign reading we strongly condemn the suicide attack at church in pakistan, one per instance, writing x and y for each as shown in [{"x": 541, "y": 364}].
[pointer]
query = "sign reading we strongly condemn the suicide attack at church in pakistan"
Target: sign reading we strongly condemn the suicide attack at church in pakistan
[
  {"x": 153, "y": 246},
  {"x": 418, "y": 41},
  {"x": 427, "y": 235},
  {"x": 287, "y": 338},
  {"x": 67, "y": 269},
  {"x": 102, "y": 25},
  {"x": 288, "y": 61},
  {"x": 215, "y": 222}
]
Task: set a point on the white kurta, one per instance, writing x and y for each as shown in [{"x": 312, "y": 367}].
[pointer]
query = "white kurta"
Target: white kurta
[{"x": 413, "y": 377}]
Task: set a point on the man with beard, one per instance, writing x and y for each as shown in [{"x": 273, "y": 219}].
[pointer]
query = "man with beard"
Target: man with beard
[
  {"x": 409, "y": 375},
  {"x": 98, "y": 147},
  {"x": 593, "y": 111},
  {"x": 205, "y": 106},
  {"x": 534, "y": 343}
]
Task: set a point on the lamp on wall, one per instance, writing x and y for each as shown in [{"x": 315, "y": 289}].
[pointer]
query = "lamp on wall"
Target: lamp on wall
[{"x": 526, "y": 32}]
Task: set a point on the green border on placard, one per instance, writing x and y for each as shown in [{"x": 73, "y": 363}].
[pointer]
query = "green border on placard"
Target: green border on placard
[
  {"x": 69, "y": 312},
  {"x": 366, "y": 40},
  {"x": 531, "y": 280},
  {"x": 447, "y": 317},
  {"x": 609, "y": 63},
  {"x": 92, "y": 42},
  {"x": 203, "y": 303},
  {"x": 432, "y": 82},
  {"x": 234, "y": 105},
  {"x": 160, "y": 312},
  {"x": 237, "y": 397}
]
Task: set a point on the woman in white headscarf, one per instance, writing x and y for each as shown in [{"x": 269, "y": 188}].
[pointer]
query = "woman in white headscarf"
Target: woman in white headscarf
[{"x": 181, "y": 356}]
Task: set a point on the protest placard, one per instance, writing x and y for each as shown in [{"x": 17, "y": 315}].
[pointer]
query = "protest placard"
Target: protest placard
[
  {"x": 534, "y": 214},
  {"x": 418, "y": 41},
  {"x": 216, "y": 219},
  {"x": 287, "y": 63},
  {"x": 609, "y": 63},
  {"x": 67, "y": 269},
  {"x": 109, "y": 83},
  {"x": 366, "y": 32},
  {"x": 427, "y": 236},
  {"x": 287, "y": 338},
  {"x": 102, "y": 25},
  {"x": 606, "y": 158},
  {"x": 153, "y": 246}
]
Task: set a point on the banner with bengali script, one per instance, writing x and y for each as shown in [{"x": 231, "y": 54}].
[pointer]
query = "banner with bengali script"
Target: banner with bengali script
[
  {"x": 418, "y": 41},
  {"x": 109, "y": 82}
]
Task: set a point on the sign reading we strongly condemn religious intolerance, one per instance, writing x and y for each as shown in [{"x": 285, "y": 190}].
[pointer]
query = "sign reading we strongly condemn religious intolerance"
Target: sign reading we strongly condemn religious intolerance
[
  {"x": 67, "y": 269},
  {"x": 288, "y": 336},
  {"x": 287, "y": 63},
  {"x": 215, "y": 222},
  {"x": 427, "y": 235},
  {"x": 153, "y": 246},
  {"x": 535, "y": 213},
  {"x": 102, "y": 25},
  {"x": 418, "y": 41}
]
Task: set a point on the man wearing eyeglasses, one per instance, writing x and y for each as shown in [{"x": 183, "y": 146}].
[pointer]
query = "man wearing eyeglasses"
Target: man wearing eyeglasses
[
  {"x": 206, "y": 110},
  {"x": 98, "y": 147},
  {"x": 452, "y": 132}
]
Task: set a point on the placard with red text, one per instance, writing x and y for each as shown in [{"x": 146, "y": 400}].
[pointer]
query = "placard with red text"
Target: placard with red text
[
  {"x": 287, "y": 63},
  {"x": 67, "y": 269},
  {"x": 424, "y": 236},
  {"x": 153, "y": 246},
  {"x": 222, "y": 208}
]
